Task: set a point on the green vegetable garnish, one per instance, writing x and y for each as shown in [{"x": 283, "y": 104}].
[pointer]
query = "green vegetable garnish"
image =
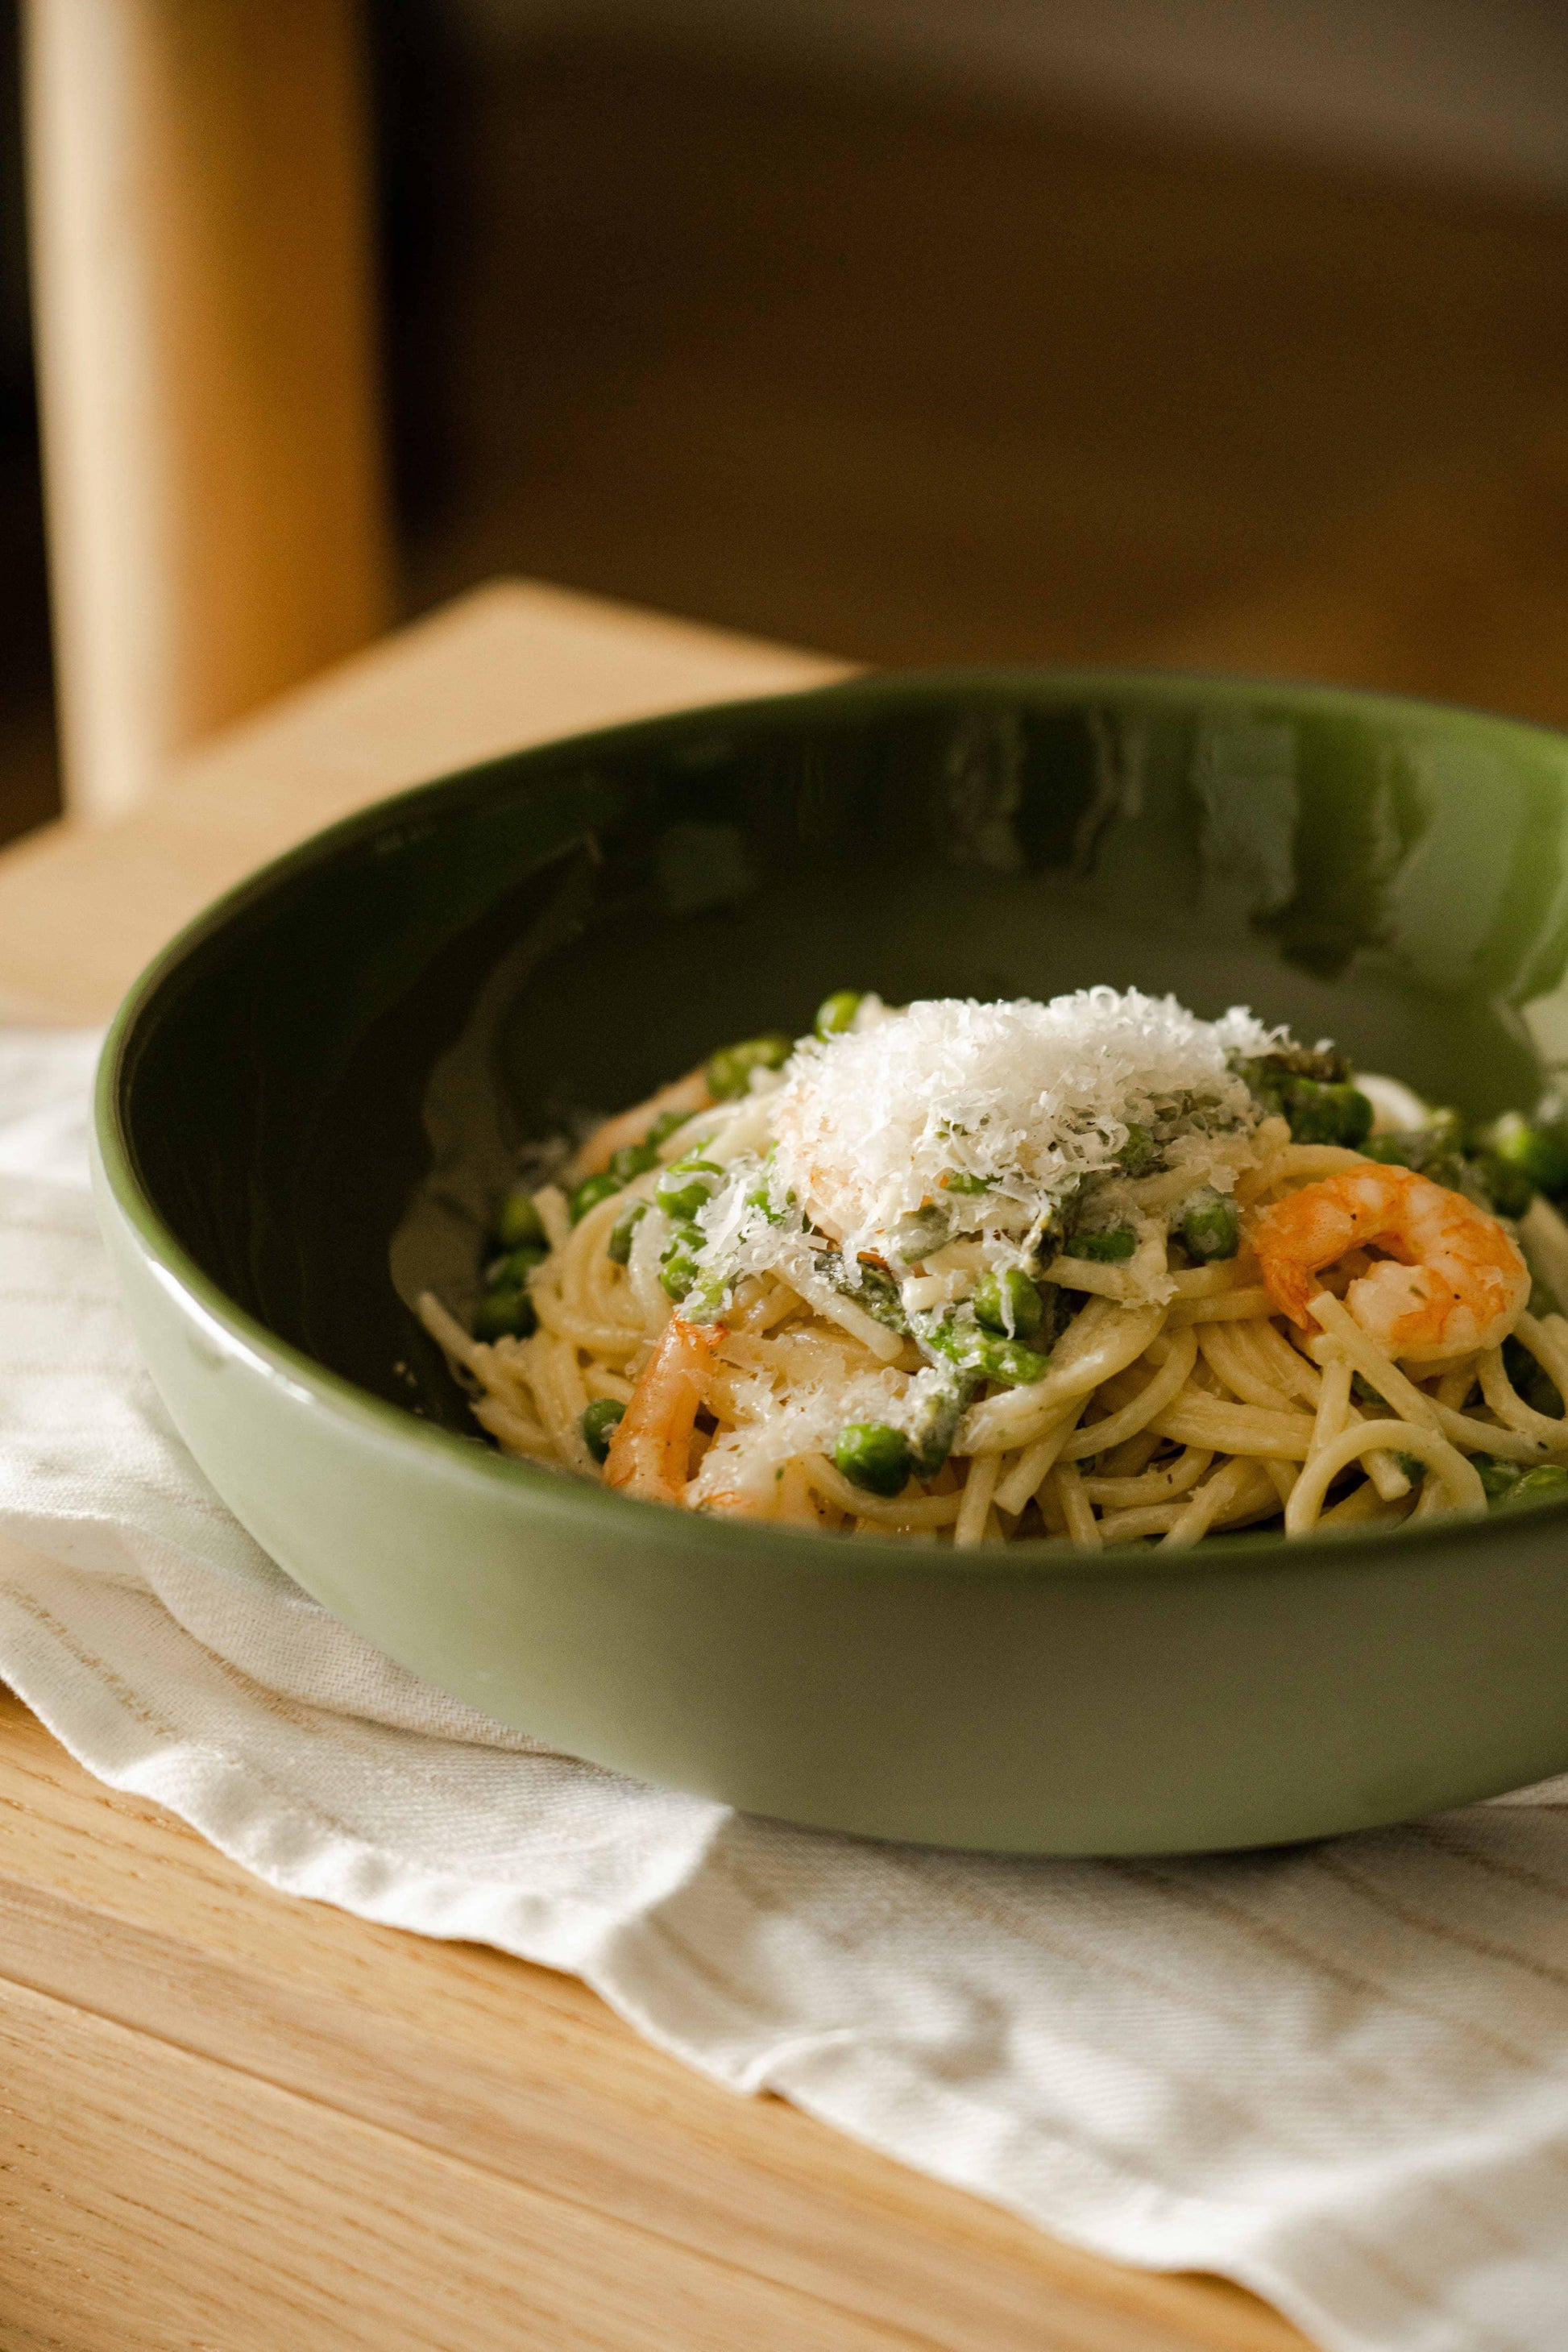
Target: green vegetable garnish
[
  {"x": 1502, "y": 1188},
  {"x": 1328, "y": 1114},
  {"x": 1272, "y": 1077},
  {"x": 678, "y": 1266},
  {"x": 761, "y": 1199},
  {"x": 665, "y": 1125},
  {"x": 510, "y": 1271},
  {"x": 505, "y": 1313},
  {"x": 1011, "y": 1363},
  {"x": 598, "y": 1425},
  {"x": 1536, "y": 1153},
  {"x": 939, "y": 1415},
  {"x": 1311, "y": 1087},
  {"x": 632, "y": 1160},
  {"x": 687, "y": 1186},
  {"x": 697, "y": 1290},
  {"x": 590, "y": 1192},
  {"x": 1107, "y": 1248},
  {"x": 873, "y": 1457},
  {"x": 1009, "y": 1303},
  {"x": 876, "y": 1292},
  {"x": 836, "y": 1013},
  {"x": 618, "y": 1248},
  {"x": 1209, "y": 1226},
  {"x": 518, "y": 1223},
  {"x": 728, "y": 1071},
  {"x": 1497, "y": 1478},
  {"x": 1547, "y": 1483},
  {"x": 973, "y": 1349},
  {"x": 917, "y": 1235},
  {"x": 1426, "y": 1149}
]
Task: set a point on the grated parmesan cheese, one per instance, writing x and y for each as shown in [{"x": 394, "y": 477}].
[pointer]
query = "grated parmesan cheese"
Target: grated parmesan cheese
[
  {"x": 1024, "y": 1100},
  {"x": 775, "y": 1427}
]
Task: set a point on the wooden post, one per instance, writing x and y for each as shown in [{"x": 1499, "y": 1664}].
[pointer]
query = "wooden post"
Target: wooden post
[{"x": 204, "y": 316}]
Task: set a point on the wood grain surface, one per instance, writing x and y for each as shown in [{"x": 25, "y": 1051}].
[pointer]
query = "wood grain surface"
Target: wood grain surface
[{"x": 231, "y": 2121}]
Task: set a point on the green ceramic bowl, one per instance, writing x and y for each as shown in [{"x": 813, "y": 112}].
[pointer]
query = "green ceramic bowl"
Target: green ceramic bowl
[{"x": 310, "y": 1104}]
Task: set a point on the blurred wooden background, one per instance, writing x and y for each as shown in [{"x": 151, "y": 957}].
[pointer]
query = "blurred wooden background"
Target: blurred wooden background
[{"x": 917, "y": 376}]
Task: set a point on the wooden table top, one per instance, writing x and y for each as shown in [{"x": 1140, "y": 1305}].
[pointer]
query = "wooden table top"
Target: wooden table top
[{"x": 236, "y": 2122}]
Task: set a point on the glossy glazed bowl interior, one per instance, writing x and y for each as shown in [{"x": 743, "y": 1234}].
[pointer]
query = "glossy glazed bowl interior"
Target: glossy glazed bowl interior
[{"x": 309, "y": 1106}]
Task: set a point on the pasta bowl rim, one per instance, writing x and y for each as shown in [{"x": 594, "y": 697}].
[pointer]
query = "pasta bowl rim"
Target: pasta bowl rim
[{"x": 577, "y": 1502}]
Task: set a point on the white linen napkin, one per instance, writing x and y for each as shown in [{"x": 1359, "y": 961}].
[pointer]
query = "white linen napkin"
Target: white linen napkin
[{"x": 1338, "y": 2074}]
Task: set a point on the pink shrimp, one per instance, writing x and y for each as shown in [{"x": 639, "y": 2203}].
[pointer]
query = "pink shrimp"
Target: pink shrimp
[
  {"x": 688, "y": 1094},
  {"x": 1451, "y": 1279},
  {"x": 650, "y": 1451}
]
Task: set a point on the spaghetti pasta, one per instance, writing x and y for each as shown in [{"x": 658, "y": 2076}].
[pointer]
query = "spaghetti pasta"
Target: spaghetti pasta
[{"x": 1095, "y": 1271}]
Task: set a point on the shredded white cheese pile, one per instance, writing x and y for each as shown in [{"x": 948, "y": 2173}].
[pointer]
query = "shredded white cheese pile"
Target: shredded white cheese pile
[
  {"x": 1023, "y": 1097},
  {"x": 776, "y": 1427}
]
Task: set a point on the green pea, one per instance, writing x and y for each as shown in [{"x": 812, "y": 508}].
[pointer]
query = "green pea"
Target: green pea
[
  {"x": 1503, "y": 1188},
  {"x": 1497, "y": 1478},
  {"x": 1009, "y": 1303},
  {"x": 1107, "y": 1248},
  {"x": 632, "y": 1160},
  {"x": 665, "y": 1125},
  {"x": 1139, "y": 1149},
  {"x": 1533, "y": 1152},
  {"x": 518, "y": 1223},
  {"x": 511, "y": 1270},
  {"x": 505, "y": 1313},
  {"x": 728, "y": 1071},
  {"x": 677, "y": 1267},
  {"x": 618, "y": 1248},
  {"x": 1321, "y": 1113},
  {"x": 1547, "y": 1483},
  {"x": 599, "y": 1423},
  {"x": 591, "y": 1192},
  {"x": 873, "y": 1457},
  {"x": 836, "y": 1013},
  {"x": 761, "y": 1196},
  {"x": 761, "y": 1199},
  {"x": 974, "y": 1350},
  {"x": 687, "y": 1186},
  {"x": 1209, "y": 1226},
  {"x": 708, "y": 1296}
]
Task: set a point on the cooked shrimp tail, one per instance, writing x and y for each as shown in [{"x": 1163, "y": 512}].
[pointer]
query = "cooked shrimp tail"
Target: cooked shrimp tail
[
  {"x": 1450, "y": 1277},
  {"x": 650, "y": 1451}
]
